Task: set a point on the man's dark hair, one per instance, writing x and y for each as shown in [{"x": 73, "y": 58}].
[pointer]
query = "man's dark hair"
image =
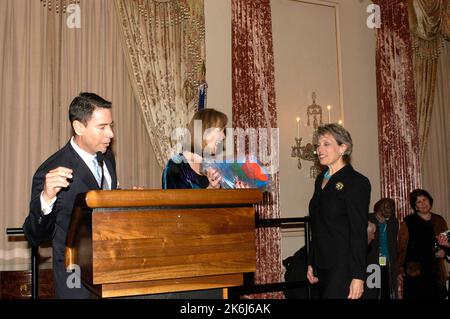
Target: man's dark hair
[
  {"x": 416, "y": 193},
  {"x": 84, "y": 105}
]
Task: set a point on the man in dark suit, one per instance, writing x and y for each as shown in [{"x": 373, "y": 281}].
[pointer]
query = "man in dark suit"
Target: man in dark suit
[{"x": 72, "y": 170}]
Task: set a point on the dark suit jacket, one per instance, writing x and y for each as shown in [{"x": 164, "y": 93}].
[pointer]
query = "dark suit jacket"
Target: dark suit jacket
[
  {"x": 40, "y": 228},
  {"x": 339, "y": 215}
]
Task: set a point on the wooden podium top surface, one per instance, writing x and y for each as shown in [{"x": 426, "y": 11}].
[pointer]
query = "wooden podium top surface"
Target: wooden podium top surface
[{"x": 178, "y": 197}]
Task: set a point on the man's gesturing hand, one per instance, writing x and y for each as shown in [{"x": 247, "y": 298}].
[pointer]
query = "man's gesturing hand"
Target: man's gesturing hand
[{"x": 54, "y": 181}]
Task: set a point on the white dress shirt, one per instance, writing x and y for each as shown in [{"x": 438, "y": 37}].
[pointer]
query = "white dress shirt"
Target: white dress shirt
[{"x": 87, "y": 158}]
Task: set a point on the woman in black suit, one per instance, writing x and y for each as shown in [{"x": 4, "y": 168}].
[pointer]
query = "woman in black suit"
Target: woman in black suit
[{"x": 339, "y": 214}]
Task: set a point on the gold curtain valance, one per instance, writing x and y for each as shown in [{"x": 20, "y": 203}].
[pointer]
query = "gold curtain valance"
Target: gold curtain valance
[{"x": 429, "y": 19}]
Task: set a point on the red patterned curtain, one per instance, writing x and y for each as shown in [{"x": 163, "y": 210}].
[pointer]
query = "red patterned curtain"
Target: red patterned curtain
[
  {"x": 397, "y": 121},
  {"x": 254, "y": 107}
]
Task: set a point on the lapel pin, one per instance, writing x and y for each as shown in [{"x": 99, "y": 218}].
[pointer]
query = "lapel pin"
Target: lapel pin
[{"x": 339, "y": 186}]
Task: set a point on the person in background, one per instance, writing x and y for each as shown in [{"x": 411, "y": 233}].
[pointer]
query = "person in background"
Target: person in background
[
  {"x": 382, "y": 251},
  {"x": 184, "y": 170},
  {"x": 443, "y": 239},
  {"x": 371, "y": 231},
  {"x": 444, "y": 243},
  {"x": 339, "y": 214},
  {"x": 421, "y": 267},
  {"x": 370, "y": 293}
]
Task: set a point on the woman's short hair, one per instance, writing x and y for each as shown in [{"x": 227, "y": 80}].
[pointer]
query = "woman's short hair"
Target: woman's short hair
[
  {"x": 210, "y": 118},
  {"x": 415, "y": 194},
  {"x": 385, "y": 206},
  {"x": 340, "y": 134}
]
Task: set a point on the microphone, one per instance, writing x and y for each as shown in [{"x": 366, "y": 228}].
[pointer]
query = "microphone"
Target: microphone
[{"x": 100, "y": 160}]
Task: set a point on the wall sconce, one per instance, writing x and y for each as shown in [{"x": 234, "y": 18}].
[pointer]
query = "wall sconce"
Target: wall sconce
[{"x": 308, "y": 152}]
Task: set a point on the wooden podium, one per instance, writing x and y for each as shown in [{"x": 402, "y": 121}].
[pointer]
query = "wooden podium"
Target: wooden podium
[{"x": 138, "y": 242}]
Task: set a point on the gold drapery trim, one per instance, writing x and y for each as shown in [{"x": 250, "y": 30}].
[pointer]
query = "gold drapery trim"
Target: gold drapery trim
[
  {"x": 429, "y": 20},
  {"x": 58, "y": 6},
  {"x": 165, "y": 49},
  {"x": 425, "y": 59},
  {"x": 427, "y": 49}
]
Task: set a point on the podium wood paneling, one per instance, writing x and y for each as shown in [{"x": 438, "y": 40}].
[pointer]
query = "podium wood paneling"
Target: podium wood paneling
[{"x": 154, "y": 241}]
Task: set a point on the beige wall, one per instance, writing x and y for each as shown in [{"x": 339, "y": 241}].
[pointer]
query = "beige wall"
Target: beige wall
[
  {"x": 307, "y": 58},
  {"x": 218, "y": 55}
]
